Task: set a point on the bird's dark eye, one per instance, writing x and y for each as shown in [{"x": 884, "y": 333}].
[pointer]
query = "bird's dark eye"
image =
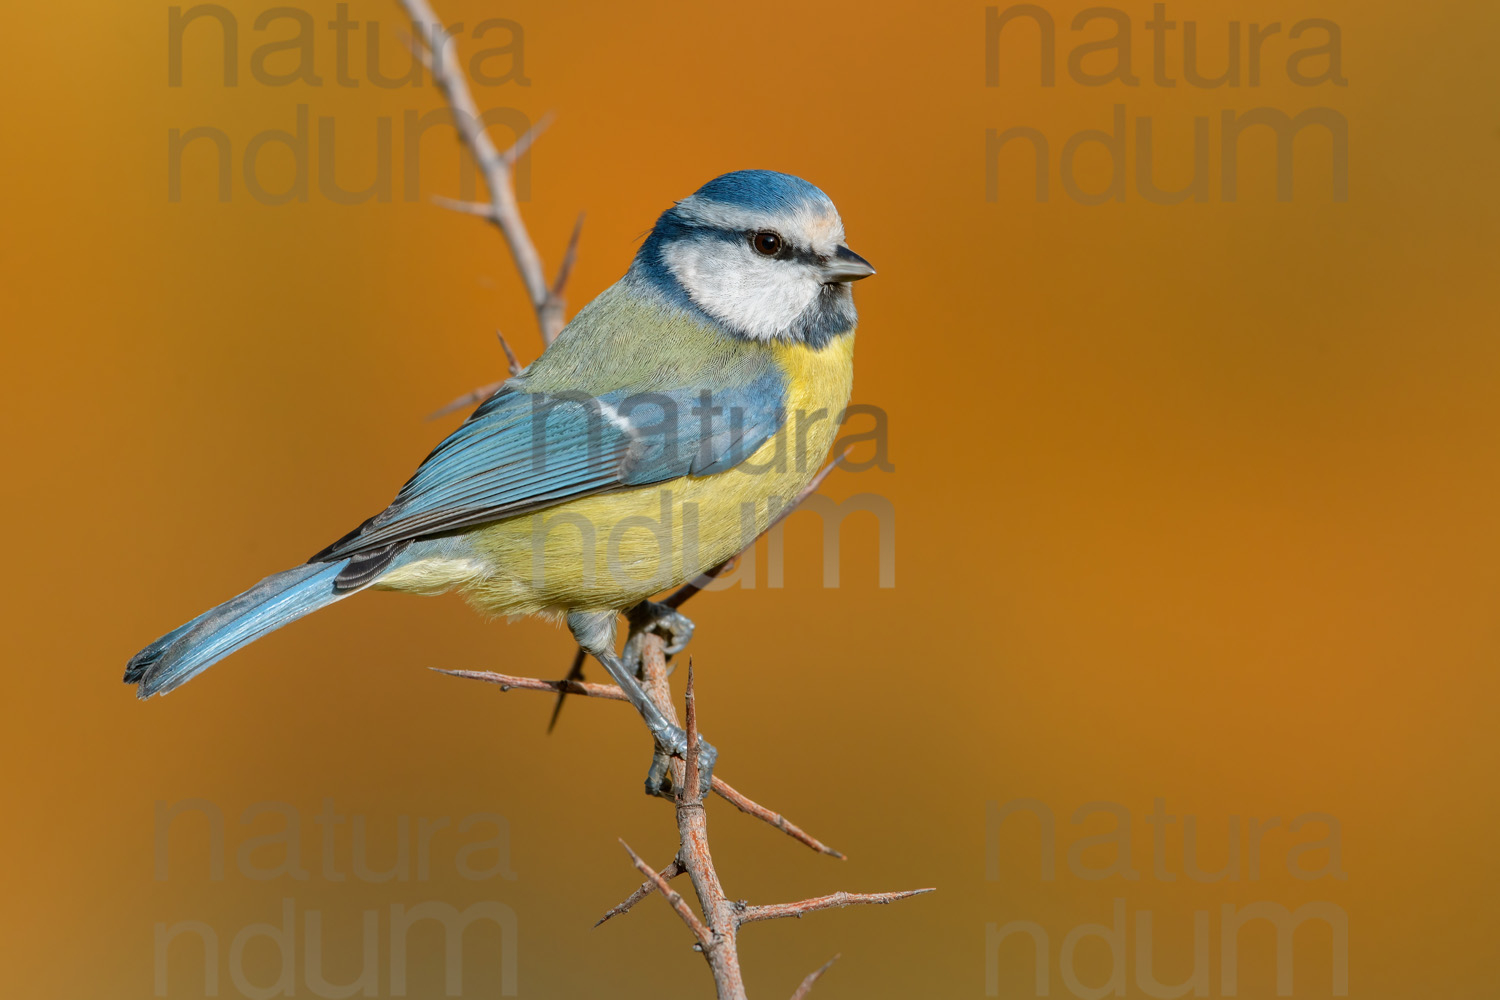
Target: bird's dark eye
[{"x": 766, "y": 242}]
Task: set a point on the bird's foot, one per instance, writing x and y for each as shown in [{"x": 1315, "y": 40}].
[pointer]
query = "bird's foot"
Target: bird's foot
[
  {"x": 673, "y": 743},
  {"x": 651, "y": 618}
]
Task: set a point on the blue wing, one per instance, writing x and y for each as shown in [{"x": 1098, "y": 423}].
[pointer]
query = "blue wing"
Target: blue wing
[{"x": 525, "y": 451}]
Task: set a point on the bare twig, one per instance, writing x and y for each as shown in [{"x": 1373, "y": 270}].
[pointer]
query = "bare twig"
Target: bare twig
[
  {"x": 570, "y": 257},
  {"x": 512, "y": 363},
  {"x": 502, "y": 210},
  {"x": 507, "y": 683},
  {"x": 479, "y": 208},
  {"x": 674, "y": 899},
  {"x": 575, "y": 673},
  {"x": 472, "y": 398},
  {"x": 692, "y": 791},
  {"x": 745, "y": 804},
  {"x": 775, "y": 911},
  {"x": 692, "y": 831},
  {"x": 476, "y": 396},
  {"x": 647, "y": 888},
  {"x": 813, "y": 977},
  {"x": 527, "y": 139},
  {"x": 609, "y": 692}
]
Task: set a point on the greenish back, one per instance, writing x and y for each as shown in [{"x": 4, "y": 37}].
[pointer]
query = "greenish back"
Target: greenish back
[{"x": 624, "y": 340}]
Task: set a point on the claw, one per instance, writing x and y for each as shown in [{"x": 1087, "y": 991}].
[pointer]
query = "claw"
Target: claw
[
  {"x": 708, "y": 754},
  {"x": 682, "y": 634},
  {"x": 674, "y": 744},
  {"x": 659, "y": 778},
  {"x": 594, "y": 632},
  {"x": 669, "y": 623}
]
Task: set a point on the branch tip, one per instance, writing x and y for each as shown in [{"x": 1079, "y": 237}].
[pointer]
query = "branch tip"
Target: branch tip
[
  {"x": 514, "y": 366},
  {"x": 526, "y": 139},
  {"x": 480, "y": 208},
  {"x": 570, "y": 257},
  {"x": 813, "y": 977},
  {"x": 472, "y": 398},
  {"x": 691, "y": 791},
  {"x": 838, "y": 900}
]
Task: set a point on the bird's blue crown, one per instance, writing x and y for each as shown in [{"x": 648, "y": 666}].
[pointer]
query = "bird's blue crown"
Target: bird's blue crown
[{"x": 764, "y": 190}]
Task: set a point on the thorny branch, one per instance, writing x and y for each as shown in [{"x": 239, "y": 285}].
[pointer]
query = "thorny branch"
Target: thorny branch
[
  {"x": 719, "y": 936},
  {"x": 610, "y": 692},
  {"x": 718, "y": 929},
  {"x": 724, "y": 916},
  {"x": 433, "y": 46}
]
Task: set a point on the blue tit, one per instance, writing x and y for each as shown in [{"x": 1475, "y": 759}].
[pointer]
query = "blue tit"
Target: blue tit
[{"x": 667, "y": 425}]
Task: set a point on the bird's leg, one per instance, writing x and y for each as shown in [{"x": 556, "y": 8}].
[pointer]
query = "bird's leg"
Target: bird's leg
[
  {"x": 644, "y": 618},
  {"x": 595, "y": 632},
  {"x": 675, "y": 629}
]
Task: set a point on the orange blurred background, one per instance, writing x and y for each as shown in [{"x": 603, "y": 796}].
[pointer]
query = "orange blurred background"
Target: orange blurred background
[{"x": 1193, "y": 503}]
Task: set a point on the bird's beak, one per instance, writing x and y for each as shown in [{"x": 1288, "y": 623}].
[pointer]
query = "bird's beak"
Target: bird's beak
[{"x": 845, "y": 266}]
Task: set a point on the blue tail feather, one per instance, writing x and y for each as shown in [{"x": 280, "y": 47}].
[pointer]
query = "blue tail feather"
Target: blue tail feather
[{"x": 188, "y": 650}]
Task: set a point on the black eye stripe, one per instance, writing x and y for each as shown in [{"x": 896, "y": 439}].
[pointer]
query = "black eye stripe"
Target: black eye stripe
[{"x": 785, "y": 250}]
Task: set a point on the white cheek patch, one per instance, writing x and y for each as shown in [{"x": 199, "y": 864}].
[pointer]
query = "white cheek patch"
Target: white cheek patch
[{"x": 758, "y": 296}]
